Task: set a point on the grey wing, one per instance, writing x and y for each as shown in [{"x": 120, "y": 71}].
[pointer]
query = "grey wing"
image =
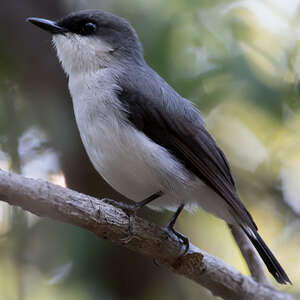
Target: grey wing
[{"x": 180, "y": 129}]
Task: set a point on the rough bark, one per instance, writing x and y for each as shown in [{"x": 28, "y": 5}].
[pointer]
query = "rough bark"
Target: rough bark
[{"x": 110, "y": 222}]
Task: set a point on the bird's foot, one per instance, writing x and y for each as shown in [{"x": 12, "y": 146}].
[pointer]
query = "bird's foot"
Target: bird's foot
[
  {"x": 184, "y": 239},
  {"x": 130, "y": 210},
  {"x": 131, "y": 231}
]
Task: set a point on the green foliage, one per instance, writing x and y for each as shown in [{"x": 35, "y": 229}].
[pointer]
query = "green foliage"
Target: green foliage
[{"x": 238, "y": 61}]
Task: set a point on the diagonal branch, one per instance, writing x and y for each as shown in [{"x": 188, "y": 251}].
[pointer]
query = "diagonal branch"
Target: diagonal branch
[{"x": 110, "y": 222}]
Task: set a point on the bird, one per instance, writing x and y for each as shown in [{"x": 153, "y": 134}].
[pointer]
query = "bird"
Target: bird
[{"x": 147, "y": 141}]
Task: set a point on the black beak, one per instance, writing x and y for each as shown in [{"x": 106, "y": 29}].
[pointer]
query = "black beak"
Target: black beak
[{"x": 47, "y": 25}]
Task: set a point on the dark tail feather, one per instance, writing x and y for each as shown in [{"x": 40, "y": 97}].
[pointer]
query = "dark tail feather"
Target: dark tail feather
[{"x": 269, "y": 259}]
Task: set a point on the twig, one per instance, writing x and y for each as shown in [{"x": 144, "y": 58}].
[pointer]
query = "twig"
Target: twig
[
  {"x": 110, "y": 222},
  {"x": 253, "y": 261}
]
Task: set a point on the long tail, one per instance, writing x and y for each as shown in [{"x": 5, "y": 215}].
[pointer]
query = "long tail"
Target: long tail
[{"x": 267, "y": 256}]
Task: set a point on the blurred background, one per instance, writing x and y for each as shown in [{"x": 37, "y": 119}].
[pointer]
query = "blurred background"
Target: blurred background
[{"x": 238, "y": 61}]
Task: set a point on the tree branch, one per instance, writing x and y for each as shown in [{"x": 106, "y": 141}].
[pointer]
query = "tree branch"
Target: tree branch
[{"x": 110, "y": 222}]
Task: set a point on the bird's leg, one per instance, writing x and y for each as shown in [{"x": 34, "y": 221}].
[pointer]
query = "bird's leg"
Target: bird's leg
[
  {"x": 131, "y": 210},
  {"x": 138, "y": 205},
  {"x": 170, "y": 228}
]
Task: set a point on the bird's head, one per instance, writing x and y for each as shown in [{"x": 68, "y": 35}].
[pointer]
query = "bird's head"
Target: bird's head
[{"x": 92, "y": 39}]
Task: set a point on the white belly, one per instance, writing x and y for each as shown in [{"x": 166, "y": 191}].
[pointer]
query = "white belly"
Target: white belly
[
  {"x": 117, "y": 156},
  {"x": 131, "y": 163}
]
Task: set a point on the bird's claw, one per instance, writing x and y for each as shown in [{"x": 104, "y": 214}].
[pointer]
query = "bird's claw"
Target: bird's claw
[
  {"x": 131, "y": 232},
  {"x": 185, "y": 240},
  {"x": 130, "y": 210}
]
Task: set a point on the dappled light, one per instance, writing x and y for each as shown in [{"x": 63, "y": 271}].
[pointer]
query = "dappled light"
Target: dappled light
[{"x": 237, "y": 61}]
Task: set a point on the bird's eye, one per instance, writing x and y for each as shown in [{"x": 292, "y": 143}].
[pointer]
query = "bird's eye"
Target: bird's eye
[{"x": 89, "y": 28}]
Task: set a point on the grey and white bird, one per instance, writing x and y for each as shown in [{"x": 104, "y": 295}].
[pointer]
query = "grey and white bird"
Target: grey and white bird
[{"x": 148, "y": 142}]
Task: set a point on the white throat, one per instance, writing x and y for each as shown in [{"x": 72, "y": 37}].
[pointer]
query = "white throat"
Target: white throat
[{"x": 79, "y": 54}]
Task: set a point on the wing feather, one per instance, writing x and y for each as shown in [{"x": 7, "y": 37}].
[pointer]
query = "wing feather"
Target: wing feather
[{"x": 181, "y": 130}]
